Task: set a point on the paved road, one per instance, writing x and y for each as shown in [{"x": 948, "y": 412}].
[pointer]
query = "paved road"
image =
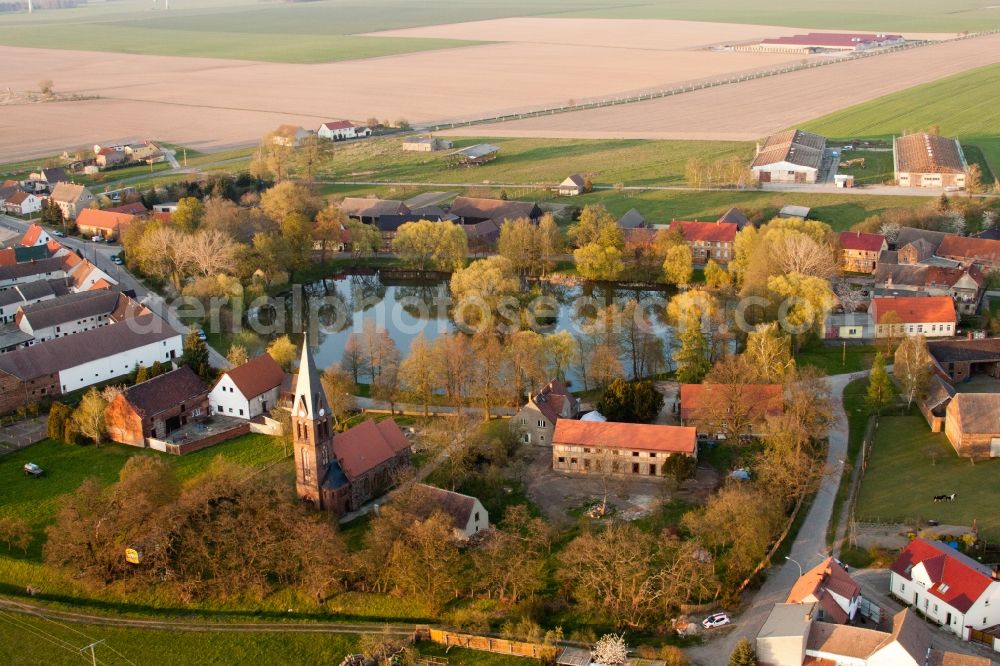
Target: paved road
[
  {"x": 100, "y": 254},
  {"x": 808, "y": 549}
]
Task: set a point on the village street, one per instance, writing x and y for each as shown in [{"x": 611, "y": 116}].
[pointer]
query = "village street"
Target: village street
[{"x": 808, "y": 550}]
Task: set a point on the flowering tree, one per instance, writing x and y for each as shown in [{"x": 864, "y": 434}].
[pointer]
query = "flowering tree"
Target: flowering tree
[{"x": 610, "y": 650}]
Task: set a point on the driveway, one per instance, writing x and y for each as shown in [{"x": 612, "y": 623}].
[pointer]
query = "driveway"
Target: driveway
[{"x": 808, "y": 549}]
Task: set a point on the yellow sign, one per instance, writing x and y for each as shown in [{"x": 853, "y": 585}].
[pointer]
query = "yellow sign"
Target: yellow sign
[{"x": 133, "y": 556}]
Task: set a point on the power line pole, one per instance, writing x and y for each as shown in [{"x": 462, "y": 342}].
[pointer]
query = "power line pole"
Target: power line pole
[{"x": 93, "y": 654}]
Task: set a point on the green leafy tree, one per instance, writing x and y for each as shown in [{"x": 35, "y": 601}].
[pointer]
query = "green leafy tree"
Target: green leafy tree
[
  {"x": 743, "y": 654},
  {"x": 283, "y": 351},
  {"x": 329, "y": 224},
  {"x": 196, "y": 355},
  {"x": 52, "y": 214},
  {"x": 716, "y": 277},
  {"x": 630, "y": 402},
  {"x": 692, "y": 356},
  {"x": 59, "y": 414},
  {"x": 677, "y": 266},
  {"x": 141, "y": 374},
  {"x": 88, "y": 417},
  {"x": 426, "y": 245},
  {"x": 597, "y": 262},
  {"x": 364, "y": 239},
  {"x": 880, "y": 387},
  {"x": 188, "y": 215}
]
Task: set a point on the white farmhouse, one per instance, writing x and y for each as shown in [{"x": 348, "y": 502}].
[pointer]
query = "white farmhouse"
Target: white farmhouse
[
  {"x": 948, "y": 588},
  {"x": 249, "y": 390},
  {"x": 338, "y": 130},
  {"x": 468, "y": 515}
]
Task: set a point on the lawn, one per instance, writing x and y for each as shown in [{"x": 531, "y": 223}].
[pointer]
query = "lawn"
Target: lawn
[
  {"x": 884, "y": 15},
  {"x": 836, "y": 359},
  {"x": 856, "y": 408},
  {"x": 909, "y": 465},
  {"x": 877, "y": 169},
  {"x": 966, "y": 105}
]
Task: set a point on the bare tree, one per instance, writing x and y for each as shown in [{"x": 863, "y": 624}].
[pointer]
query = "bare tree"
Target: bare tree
[{"x": 912, "y": 367}]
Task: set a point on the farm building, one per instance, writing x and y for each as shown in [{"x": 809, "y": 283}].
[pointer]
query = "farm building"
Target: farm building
[
  {"x": 735, "y": 216},
  {"x": 472, "y": 210},
  {"x": 931, "y": 316},
  {"x": 628, "y": 449},
  {"x": 633, "y": 219},
  {"x": 108, "y": 225},
  {"x": 960, "y": 359},
  {"x": 474, "y": 155},
  {"x": 426, "y": 144},
  {"x": 338, "y": 130},
  {"x": 712, "y": 408},
  {"x": 156, "y": 407},
  {"x": 369, "y": 210},
  {"x": 972, "y": 424},
  {"x": 536, "y": 420},
  {"x": 859, "y": 252},
  {"x": 825, "y": 42},
  {"x": 789, "y": 157},
  {"x": 707, "y": 240},
  {"x": 981, "y": 252},
  {"x": 573, "y": 185},
  {"x": 928, "y": 160}
]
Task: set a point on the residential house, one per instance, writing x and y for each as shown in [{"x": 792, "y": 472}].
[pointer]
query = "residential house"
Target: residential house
[
  {"x": 789, "y": 157},
  {"x": 53, "y": 175},
  {"x": 633, "y": 219},
  {"x": 829, "y": 586},
  {"x": 708, "y": 240},
  {"x": 625, "y": 449},
  {"x": 931, "y": 316},
  {"x": 482, "y": 236},
  {"x": 87, "y": 358},
  {"x": 472, "y": 210},
  {"x": 156, "y": 407},
  {"x": 340, "y": 473},
  {"x": 982, "y": 252},
  {"x": 958, "y": 360},
  {"x": 290, "y": 136},
  {"x": 573, "y": 185},
  {"x": 910, "y": 235},
  {"x": 388, "y": 225},
  {"x": 859, "y": 252},
  {"x": 108, "y": 225},
  {"x": 339, "y": 130},
  {"x": 30, "y": 271},
  {"x": 711, "y": 408},
  {"x": 972, "y": 425},
  {"x": 75, "y": 313},
  {"x": 111, "y": 156},
  {"x": 8, "y": 188},
  {"x": 536, "y": 420},
  {"x": 848, "y": 326},
  {"x": 735, "y": 216},
  {"x": 71, "y": 199},
  {"x": 23, "y": 204},
  {"x": 928, "y": 160},
  {"x": 136, "y": 209},
  {"x": 947, "y": 588},
  {"x": 793, "y": 636},
  {"x": 426, "y": 144},
  {"x": 964, "y": 286},
  {"x": 249, "y": 390},
  {"x": 14, "y": 298},
  {"x": 144, "y": 152},
  {"x": 369, "y": 210},
  {"x": 467, "y": 513},
  {"x": 35, "y": 235}
]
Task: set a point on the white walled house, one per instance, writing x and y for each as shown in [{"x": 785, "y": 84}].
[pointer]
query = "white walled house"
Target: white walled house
[
  {"x": 23, "y": 203},
  {"x": 467, "y": 513},
  {"x": 249, "y": 390},
  {"x": 35, "y": 235},
  {"x": 338, "y": 130},
  {"x": 947, "y": 587},
  {"x": 69, "y": 314},
  {"x": 831, "y": 588}
]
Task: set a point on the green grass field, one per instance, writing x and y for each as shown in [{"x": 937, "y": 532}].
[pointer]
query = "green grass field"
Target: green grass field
[
  {"x": 836, "y": 360},
  {"x": 966, "y": 105},
  {"x": 902, "y": 478}
]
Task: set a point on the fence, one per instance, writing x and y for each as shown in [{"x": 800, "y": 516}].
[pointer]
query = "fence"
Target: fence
[
  {"x": 486, "y": 643},
  {"x": 685, "y": 88}
]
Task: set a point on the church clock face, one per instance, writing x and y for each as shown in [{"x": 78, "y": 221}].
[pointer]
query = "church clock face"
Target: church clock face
[{"x": 322, "y": 412}]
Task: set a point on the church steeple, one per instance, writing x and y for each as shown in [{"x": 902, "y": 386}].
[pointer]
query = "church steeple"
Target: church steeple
[{"x": 311, "y": 433}]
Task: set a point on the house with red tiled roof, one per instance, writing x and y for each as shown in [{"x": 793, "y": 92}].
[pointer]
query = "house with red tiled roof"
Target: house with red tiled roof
[
  {"x": 719, "y": 409},
  {"x": 136, "y": 208},
  {"x": 338, "y": 130},
  {"x": 708, "y": 240},
  {"x": 831, "y": 588},
  {"x": 982, "y": 252},
  {"x": 947, "y": 587},
  {"x": 930, "y": 316},
  {"x": 626, "y": 449},
  {"x": 963, "y": 285},
  {"x": 248, "y": 390},
  {"x": 536, "y": 420},
  {"x": 859, "y": 252},
  {"x": 35, "y": 235},
  {"x": 104, "y": 223}
]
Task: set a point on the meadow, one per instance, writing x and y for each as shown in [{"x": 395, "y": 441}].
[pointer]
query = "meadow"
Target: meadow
[
  {"x": 966, "y": 105},
  {"x": 932, "y": 467}
]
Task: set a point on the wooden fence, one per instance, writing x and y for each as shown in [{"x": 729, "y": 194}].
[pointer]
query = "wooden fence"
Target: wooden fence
[{"x": 486, "y": 643}]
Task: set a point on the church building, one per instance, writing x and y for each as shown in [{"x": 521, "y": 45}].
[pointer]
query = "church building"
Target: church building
[{"x": 339, "y": 473}]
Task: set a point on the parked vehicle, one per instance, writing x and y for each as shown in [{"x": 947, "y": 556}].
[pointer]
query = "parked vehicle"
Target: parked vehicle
[
  {"x": 97, "y": 238},
  {"x": 716, "y": 620},
  {"x": 201, "y": 335},
  {"x": 31, "y": 469},
  {"x": 117, "y": 259},
  {"x": 58, "y": 234}
]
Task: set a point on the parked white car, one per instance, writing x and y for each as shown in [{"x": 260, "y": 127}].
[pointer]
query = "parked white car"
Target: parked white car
[{"x": 716, "y": 620}]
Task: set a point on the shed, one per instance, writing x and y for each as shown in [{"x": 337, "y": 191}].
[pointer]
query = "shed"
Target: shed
[
  {"x": 794, "y": 211},
  {"x": 476, "y": 155}
]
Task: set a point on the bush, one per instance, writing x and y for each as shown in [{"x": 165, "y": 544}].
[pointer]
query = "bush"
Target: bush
[
  {"x": 630, "y": 402},
  {"x": 58, "y": 417}
]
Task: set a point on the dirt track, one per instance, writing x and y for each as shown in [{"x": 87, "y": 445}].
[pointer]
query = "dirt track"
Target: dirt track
[{"x": 749, "y": 110}]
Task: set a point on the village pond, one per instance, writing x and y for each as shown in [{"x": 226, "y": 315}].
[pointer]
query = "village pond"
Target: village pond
[{"x": 330, "y": 310}]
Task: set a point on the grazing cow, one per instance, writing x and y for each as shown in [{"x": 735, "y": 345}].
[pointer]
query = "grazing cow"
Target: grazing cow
[{"x": 945, "y": 498}]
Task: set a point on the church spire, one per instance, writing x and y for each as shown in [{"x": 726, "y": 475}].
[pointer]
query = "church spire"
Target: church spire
[{"x": 310, "y": 399}]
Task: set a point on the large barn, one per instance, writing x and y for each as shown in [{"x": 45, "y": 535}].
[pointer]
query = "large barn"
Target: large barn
[
  {"x": 789, "y": 157},
  {"x": 928, "y": 160}
]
